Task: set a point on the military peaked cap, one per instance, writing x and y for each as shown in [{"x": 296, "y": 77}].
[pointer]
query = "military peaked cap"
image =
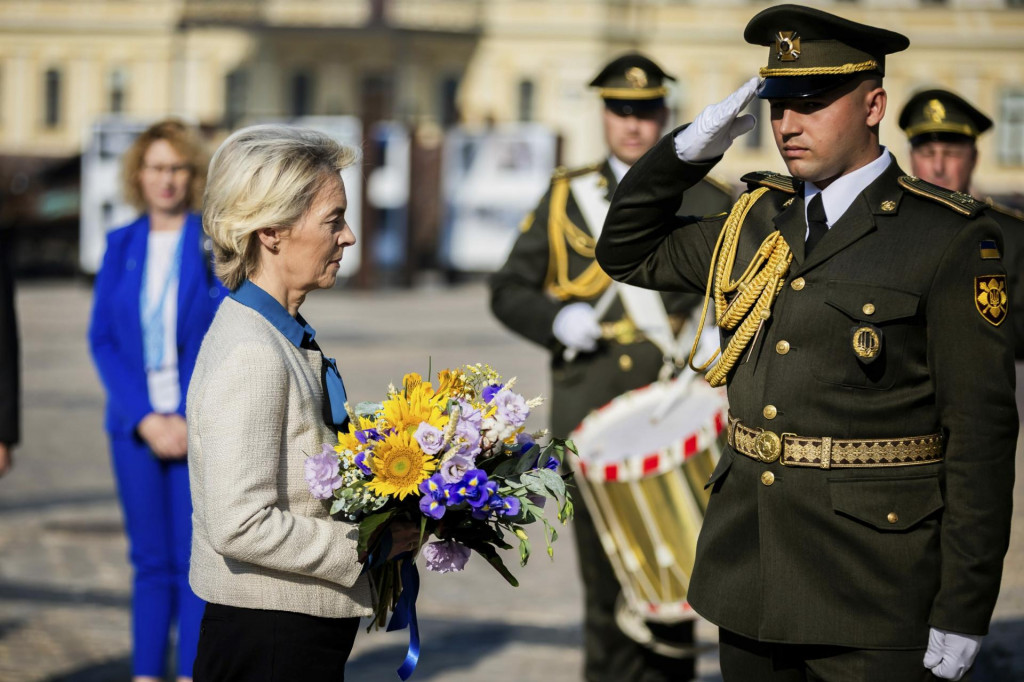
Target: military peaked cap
[
  {"x": 632, "y": 83},
  {"x": 812, "y": 51},
  {"x": 943, "y": 116}
]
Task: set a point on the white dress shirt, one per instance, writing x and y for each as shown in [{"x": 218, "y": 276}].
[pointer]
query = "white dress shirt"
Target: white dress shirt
[{"x": 838, "y": 196}]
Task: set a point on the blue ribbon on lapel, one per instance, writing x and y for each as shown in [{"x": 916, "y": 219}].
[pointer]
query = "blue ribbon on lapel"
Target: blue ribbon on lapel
[{"x": 405, "y": 615}]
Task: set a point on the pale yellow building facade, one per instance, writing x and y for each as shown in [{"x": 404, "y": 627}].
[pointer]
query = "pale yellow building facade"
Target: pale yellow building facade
[{"x": 63, "y": 63}]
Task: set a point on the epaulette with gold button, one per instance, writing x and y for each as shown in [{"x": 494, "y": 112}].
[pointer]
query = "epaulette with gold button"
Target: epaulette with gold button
[
  {"x": 771, "y": 180},
  {"x": 563, "y": 173},
  {"x": 1004, "y": 209},
  {"x": 964, "y": 204}
]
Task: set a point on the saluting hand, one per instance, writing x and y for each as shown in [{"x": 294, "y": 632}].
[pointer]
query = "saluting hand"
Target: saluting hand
[{"x": 714, "y": 129}]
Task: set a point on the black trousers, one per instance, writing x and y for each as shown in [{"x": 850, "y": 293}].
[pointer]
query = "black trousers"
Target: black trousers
[
  {"x": 747, "y": 660},
  {"x": 256, "y": 645}
]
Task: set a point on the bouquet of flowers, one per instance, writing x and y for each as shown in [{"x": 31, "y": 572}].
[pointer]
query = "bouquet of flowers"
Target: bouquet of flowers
[{"x": 455, "y": 459}]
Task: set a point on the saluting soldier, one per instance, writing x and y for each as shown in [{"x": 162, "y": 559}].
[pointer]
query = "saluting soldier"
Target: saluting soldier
[
  {"x": 548, "y": 290},
  {"x": 943, "y": 128},
  {"x": 859, "y": 516}
]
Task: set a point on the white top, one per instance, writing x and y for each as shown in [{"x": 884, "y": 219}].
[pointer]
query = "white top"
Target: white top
[
  {"x": 164, "y": 386},
  {"x": 619, "y": 167},
  {"x": 838, "y": 196}
]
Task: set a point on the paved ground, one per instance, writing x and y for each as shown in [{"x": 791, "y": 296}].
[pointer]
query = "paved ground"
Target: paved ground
[{"x": 64, "y": 579}]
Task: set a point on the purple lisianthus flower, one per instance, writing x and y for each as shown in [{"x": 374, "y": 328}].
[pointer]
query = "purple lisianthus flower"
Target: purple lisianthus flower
[
  {"x": 322, "y": 475},
  {"x": 446, "y": 556},
  {"x": 512, "y": 408},
  {"x": 490, "y": 391},
  {"x": 429, "y": 437},
  {"x": 454, "y": 468},
  {"x": 470, "y": 415},
  {"x": 360, "y": 461},
  {"x": 472, "y": 437}
]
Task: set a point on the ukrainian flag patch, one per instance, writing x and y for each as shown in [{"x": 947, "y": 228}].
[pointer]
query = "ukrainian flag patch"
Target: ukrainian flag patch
[{"x": 989, "y": 249}]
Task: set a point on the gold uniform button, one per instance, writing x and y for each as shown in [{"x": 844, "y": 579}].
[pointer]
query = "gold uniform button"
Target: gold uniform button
[
  {"x": 782, "y": 347},
  {"x": 869, "y": 309},
  {"x": 769, "y": 412},
  {"x": 798, "y": 284},
  {"x": 893, "y": 517},
  {"x": 767, "y": 478},
  {"x": 625, "y": 363}
]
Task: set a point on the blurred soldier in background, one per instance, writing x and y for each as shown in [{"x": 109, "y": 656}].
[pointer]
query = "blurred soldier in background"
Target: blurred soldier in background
[
  {"x": 942, "y": 128},
  {"x": 547, "y": 291}
]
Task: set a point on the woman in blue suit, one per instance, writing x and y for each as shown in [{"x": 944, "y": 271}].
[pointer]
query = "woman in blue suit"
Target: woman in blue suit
[{"x": 155, "y": 296}]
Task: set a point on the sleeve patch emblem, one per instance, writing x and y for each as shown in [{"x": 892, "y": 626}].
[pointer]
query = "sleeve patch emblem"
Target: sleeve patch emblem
[
  {"x": 990, "y": 298},
  {"x": 989, "y": 249}
]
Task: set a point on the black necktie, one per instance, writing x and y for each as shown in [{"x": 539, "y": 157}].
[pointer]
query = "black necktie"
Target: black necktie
[{"x": 817, "y": 223}]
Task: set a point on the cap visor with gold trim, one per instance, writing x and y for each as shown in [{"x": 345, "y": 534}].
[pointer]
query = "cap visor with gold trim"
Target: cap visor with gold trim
[
  {"x": 943, "y": 116},
  {"x": 812, "y": 52}
]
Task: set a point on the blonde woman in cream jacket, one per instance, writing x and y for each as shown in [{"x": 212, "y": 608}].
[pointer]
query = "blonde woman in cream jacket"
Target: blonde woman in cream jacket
[{"x": 283, "y": 581}]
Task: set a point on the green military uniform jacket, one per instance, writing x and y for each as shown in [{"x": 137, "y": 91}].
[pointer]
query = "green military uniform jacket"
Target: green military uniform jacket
[
  {"x": 521, "y": 297},
  {"x": 1012, "y": 223},
  {"x": 859, "y": 557}
]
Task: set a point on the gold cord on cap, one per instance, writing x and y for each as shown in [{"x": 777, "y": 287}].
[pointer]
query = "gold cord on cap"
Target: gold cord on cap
[{"x": 870, "y": 65}]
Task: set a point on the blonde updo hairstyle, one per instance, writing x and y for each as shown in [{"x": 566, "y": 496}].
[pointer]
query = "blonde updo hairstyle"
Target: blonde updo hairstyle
[
  {"x": 185, "y": 140},
  {"x": 264, "y": 176}
]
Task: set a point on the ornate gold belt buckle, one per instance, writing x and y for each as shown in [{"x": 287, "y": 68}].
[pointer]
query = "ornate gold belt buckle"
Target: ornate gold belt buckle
[{"x": 767, "y": 446}]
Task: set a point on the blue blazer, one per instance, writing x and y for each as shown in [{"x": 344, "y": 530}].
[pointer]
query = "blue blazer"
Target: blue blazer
[{"x": 115, "y": 331}]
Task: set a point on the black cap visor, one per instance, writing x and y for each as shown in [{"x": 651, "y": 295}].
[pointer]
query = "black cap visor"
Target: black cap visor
[
  {"x": 634, "y": 107},
  {"x": 786, "y": 87}
]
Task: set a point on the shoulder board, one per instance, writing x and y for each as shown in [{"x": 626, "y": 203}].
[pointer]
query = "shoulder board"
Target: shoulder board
[
  {"x": 563, "y": 173},
  {"x": 964, "y": 204},
  {"x": 772, "y": 180},
  {"x": 720, "y": 185},
  {"x": 1005, "y": 210}
]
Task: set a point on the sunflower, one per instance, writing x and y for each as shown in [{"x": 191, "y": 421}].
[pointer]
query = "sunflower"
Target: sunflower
[
  {"x": 399, "y": 466},
  {"x": 419, "y": 403}
]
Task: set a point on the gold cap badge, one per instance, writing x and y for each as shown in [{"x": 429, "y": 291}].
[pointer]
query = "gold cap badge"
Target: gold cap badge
[
  {"x": 637, "y": 77},
  {"x": 934, "y": 111},
  {"x": 787, "y": 46}
]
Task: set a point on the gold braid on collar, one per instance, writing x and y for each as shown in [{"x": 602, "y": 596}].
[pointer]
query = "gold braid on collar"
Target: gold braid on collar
[
  {"x": 563, "y": 233},
  {"x": 758, "y": 287}
]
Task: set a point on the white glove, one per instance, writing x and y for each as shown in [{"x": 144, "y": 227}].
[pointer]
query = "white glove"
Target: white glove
[
  {"x": 576, "y": 327},
  {"x": 949, "y": 654},
  {"x": 714, "y": 129}
]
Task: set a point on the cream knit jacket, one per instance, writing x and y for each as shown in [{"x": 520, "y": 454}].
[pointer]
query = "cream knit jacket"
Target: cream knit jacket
[{"x": 259, "y": 539}]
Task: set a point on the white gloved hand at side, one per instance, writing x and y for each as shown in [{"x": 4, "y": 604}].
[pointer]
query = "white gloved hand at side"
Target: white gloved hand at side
[
  {"x": 714, "y": 129},
  {"x": 950, "y": 655},
  {"x": 576, "y": 326}
]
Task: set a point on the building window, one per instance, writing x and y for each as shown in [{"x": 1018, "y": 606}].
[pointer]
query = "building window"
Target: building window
[
  {"x": 236, "y": 87},
  {"x": 526, "y": 91},
  {"x": 1011, "y": 129},
  {"x": 301, "y": 93},
  {"x": 118, "y": 89},
  {"x": 51, "y": 104},
  {"x": 934, "y": 3},
  {"x": 449, "y": 102}
]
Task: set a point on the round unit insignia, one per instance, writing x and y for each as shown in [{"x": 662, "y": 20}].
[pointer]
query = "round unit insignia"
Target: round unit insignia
[{"x": 867, "y": 342}]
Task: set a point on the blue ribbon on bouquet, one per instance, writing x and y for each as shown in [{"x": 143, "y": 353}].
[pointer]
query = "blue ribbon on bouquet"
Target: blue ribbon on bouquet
[{"x": 405, "y": 615}]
